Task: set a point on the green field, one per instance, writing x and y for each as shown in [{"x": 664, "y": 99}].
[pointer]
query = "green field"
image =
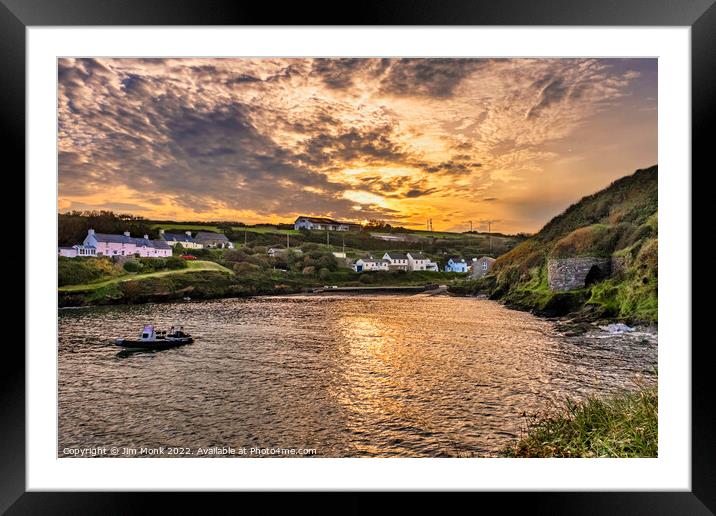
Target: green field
[
  {"x": 215, "y": 229},
  {"x": 192, "y": 266},
  {"x": 186, "y": 227},
  {"x": 443, "y": 234},
  {"x": 269, "y": 229}
]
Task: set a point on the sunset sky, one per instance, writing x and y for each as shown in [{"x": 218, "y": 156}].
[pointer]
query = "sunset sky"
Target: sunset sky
[{"x": 514, "y": 141}]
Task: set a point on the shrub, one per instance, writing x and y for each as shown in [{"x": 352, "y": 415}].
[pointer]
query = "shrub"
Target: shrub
[
  {"x": 132, "y": 266},
  {"x": 175, "y": 263},
  {"x": 235, "y": 255},
  {"x": 261, "y": 260},
  {"x": 367, "y": 278},
  {"x": 245, "y": 268},
  {"x": 153, "y": 264},
  {"x": 75, "y": 271},
  {"x": 328, "y": 261},
  {"x": 309, "y": 270}
]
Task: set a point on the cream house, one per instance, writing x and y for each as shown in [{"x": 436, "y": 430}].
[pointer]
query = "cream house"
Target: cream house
[
  {"x": 185, "y": 239},
  {"x": 420, "y": 262},
  {"x": 412, "y": 261},
  {"x": 211, "y": 239}
]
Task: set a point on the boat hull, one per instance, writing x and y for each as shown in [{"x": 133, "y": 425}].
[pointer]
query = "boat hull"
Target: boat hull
[{"x": 153, "y": 344}]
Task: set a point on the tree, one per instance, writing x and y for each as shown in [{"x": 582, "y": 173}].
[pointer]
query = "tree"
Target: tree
[
  {"x": 72, "y": 226},
  {"x": 374, "y": 224},
  {"x": 328, "y": 261},
  {"x": 226, "y": 228}
]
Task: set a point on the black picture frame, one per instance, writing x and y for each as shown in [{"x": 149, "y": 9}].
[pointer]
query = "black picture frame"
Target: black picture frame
[{"x": 700, "y": 15}]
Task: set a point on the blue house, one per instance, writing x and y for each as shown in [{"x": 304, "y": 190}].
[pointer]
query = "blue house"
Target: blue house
[{"x": 456, "y": 265}]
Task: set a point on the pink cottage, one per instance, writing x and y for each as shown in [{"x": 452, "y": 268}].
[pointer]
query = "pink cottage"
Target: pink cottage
[{"x": 125, "y": 245}]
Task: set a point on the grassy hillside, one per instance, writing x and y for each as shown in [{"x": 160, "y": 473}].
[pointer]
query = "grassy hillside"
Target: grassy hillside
[
  {"x": 619, "y": 221},
  {"x": 623, "y": 425},
  {"x": 195, "y": 266}
]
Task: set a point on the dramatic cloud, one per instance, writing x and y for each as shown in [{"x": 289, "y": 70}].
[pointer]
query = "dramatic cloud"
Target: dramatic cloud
[
  {"x": 264, "y": 140},
  {"x": 431, "y": 77}
]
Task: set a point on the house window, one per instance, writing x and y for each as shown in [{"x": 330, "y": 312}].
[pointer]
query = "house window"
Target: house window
[{"x": 484, "y": 266}]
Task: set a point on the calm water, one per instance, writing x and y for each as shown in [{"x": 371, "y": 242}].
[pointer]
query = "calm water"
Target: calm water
[{"x": 346, "y": 376}]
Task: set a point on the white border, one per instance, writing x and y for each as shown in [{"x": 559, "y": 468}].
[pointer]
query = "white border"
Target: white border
[{"x": 670, "y": 471}]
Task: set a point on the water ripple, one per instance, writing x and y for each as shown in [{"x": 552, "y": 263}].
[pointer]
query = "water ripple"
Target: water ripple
[{"x": 383, "y": 376}]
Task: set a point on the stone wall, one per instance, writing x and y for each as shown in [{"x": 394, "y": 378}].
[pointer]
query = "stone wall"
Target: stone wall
[{"x": 571, "y": 273}]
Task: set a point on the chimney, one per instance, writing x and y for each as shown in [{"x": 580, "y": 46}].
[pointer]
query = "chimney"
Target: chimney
[
  {"x": 161, "y": 231},
  {"x": 188, "y": 233},
  {"x": 126, "y": 233},
  {"x": 90, "y": 231}
]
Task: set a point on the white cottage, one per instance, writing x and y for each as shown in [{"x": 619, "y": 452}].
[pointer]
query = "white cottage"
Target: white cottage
[
  {"x": 370, "y": 264},
  {"x": 323, "y": 224},
  {"x": 276, "y": 251},
  {"x": 396, "y": 261},
  {"x": 77, "y": 250}
]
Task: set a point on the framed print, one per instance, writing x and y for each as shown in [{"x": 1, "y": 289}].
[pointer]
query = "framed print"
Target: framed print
[{"x": 419, "y": 252}]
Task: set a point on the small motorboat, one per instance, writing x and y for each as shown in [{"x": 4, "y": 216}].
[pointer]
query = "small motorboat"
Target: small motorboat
[{"x": 152, "y": 339}]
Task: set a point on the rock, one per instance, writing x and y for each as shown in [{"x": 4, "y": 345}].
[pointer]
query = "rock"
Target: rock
[
  {"x": 617, "y": 328},
  {"x": 573, "y": 328}
]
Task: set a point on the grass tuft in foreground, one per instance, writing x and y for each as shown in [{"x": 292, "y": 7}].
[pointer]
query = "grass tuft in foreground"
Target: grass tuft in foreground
[{"x": 623, "y": 425}]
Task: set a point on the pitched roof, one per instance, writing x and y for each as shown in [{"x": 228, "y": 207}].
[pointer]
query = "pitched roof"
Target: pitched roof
[
  {"x": 320, "y": 220},
  {"x": 177, "y": 237},
  {"x": 209, "y": 236},
  {"x": 146, "y": 242},
  {"x": 370, "y": 259},
  {"x": 124, "y": 239},
  {"x": 114, "y": 239},
  {"x": 487, "y": 258},
  {"x": 326, "y": 220},
  {"x": 397, "y": 256},
  {"x": 418, "y": 256}
]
